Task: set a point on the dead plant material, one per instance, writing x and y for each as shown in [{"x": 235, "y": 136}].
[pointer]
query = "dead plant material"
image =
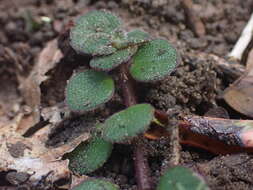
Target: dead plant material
[
  {"x": 193, "y": 21},
  {"x": 31, "y": 156},
  {"x": 76, "y": 180},
  {"x": 231, "y": 132},
  {"x": 243, "y": 41},
  {"x": 219, "y": 112},
  {"x": 175, "y": 146},
  {"x": 216, "y": 135},
  {"x": 30, "y": 86},
  {"x": 240, "y": 94}
]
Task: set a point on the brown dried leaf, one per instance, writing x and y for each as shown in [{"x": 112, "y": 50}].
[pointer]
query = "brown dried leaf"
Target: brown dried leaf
[
  {"x": 240, "y": 95},
  {"x": 249, "y": 64},
  {"x": 30, "y": 155},
  {"x": 76, "y": 180},
  {"x": 30, "y": 87},
  {"x": 218, "y": 112}
]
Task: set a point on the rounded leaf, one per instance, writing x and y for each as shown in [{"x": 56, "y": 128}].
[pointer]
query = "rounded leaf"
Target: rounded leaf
[
  {"x": 127, "y": 123},
  {"x": 87, "y": 158},
  {"x": 153, "y": 61},
  {"x": 98, "y": 44},
  {"x": 179, "y": 178},
  {"x": 96, "y": 184},
  {"x": 137, "y": 37},
  {"x": 109, "y": 62},
  {"x": 89, "y": 89},
  {"x": 92, "y": 33}
]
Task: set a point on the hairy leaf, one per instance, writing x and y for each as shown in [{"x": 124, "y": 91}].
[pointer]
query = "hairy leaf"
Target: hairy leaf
[
  {"x": 138, "y": 37},
  {"x": 88, "y": 90},
  {"x": 87, "y": 158},
  {"x": 181, "y": 178},
  {"x": 154, "y": 61},
  {"x": 96, "y": 184},
  {"x": 92, "y": 33},
  {"x": 109, "y": 62},
  {"x": 127, "y": 123}
]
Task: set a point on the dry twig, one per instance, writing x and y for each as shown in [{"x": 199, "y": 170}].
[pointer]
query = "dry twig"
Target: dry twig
[
  {"x": 193, "y": 21},
  {"x": 243, "y": 41}
]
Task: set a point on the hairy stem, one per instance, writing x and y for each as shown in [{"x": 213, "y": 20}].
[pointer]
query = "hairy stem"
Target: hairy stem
[
  {"x": 142, "y": 170},
  {"x": 127, "y": 87}
]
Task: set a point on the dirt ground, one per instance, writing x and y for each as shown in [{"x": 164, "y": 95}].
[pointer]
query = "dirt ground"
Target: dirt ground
[{"x": 193, "y": 88}]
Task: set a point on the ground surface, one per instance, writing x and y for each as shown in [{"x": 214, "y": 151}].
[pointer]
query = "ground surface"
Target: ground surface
[{"x": 193, "y": 88}]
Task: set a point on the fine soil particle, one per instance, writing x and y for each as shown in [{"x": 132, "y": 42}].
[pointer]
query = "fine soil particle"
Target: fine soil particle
[
  {"x": 228, "y": 172},
  {"x": 193, "y": 87},
  {"x": 222, "y": 25}
]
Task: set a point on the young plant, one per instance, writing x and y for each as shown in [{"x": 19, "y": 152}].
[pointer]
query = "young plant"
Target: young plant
[
  {"x": 181, "y": 178},
  {"x": 96, "y": 184},
  {"x": 136, "y": 56}
]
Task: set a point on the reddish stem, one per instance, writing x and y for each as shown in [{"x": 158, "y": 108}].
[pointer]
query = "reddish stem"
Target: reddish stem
[
  {"x": 127, "y": 87},
  {"x": 142, "y": 170}
]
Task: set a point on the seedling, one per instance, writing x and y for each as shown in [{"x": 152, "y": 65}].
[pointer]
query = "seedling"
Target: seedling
[
  {"x": 181, "y": 178},
  {"x": 96, "y": 184},
  {"x": 136, "y": 55},
  {"x": 85, "y": 159}
]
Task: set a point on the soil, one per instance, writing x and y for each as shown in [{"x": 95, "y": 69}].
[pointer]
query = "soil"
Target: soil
[{"x": 193, "y": 88}]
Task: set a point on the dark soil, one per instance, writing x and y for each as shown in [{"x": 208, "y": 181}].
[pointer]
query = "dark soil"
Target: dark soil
[{"x": 193, "y": 88}]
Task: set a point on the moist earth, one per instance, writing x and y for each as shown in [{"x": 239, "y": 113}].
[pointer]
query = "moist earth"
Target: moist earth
[{"x": 193, "y": 88}]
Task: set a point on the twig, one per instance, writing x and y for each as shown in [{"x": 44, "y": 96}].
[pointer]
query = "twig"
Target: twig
[
  {"x": 142, "y": 170},
  {"x": 218, "y": 136},
  {"x": 175, "y": 146},
  {"x": 172, "y": 156},
  {"x": 193, "y": 21},
  {"x": 243, "y": 41},
  {"x": 231, "y": 132},
  {"x": 249, "y": 62}
]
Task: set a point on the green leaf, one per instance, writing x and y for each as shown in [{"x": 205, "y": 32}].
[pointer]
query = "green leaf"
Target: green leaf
[
  {"x": 128, "y": 123},
  {"x": 89, "y": 89},
  {"x": 119, "y": 39},
  {"x": 154, "y": 61},
  {"x": 137, "y": 37},
  {"x": 109, "y": 62},
  {"x": 92, "y": 33},
  {"x": 98, "y": 44},
  {"x": 96, "y": 184},
  {"x": 87, "y": 158},
  {"x": 181, "y": 178}
]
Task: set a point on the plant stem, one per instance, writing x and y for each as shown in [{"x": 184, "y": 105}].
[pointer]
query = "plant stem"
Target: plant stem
[
  {"x": 142, "y": 170},
  {"x": 127, "y": 87}
]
